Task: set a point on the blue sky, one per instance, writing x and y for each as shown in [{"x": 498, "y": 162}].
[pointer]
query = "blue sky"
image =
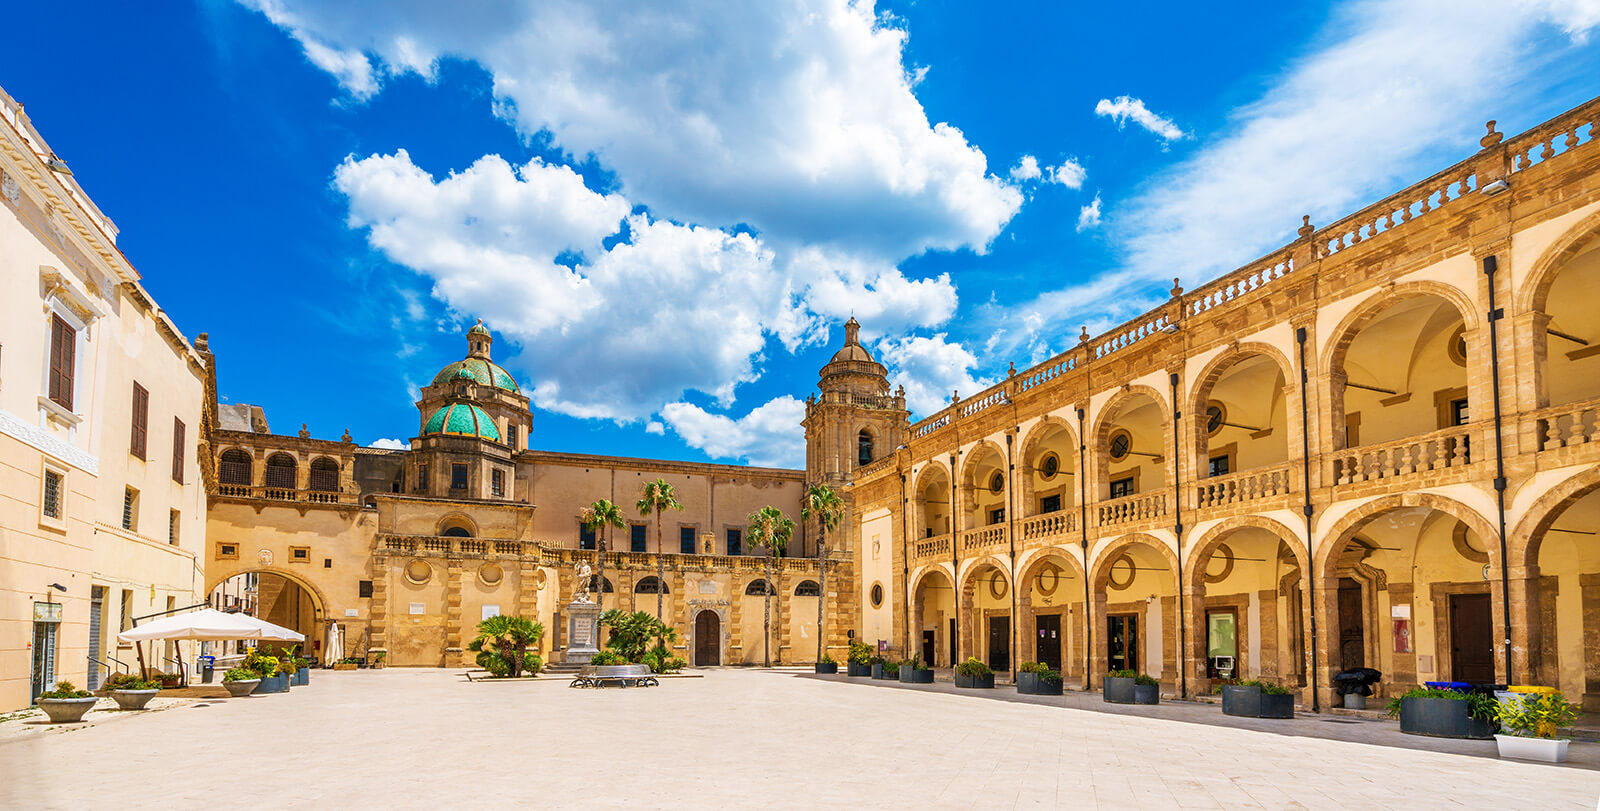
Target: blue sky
[{"x": 665, "y": 215}]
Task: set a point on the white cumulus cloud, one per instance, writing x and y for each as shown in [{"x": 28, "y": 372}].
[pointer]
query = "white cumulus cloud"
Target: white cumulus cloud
[
  {"x": 1027, "y": 168},
  {"x": 770, "y": 435},
  {"x": 1128, "y": 108},
  {"x": 1070, "y": 174},
  {"x": 931, "y": 369},
  {"x": 1089, "y": 215},
  {"x": 391, "y": 444}
]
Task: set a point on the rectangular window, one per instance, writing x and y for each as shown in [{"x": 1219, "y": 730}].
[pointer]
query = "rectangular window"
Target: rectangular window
[
  {"x": 141, "y": 421},
  {"x": 1458, "y": 412},
  {"x": 173, "y": 522},
  {"x": 63, "y": 348},
  {"x": 1122, "y": 487},
  {"x": 686, "y": 540},
  {"x": 511, "y": 435},
  {"x": 585, "y": 537},
  {"x": 636, "y": 537},
  {"x": 458, "y": 477},
  {"x": 497, "y": 482},
  {"x": 130, "y": 509},
  {"x": 422, "y": 478},
  {"x": 54, "y": 483},
  {"x": 1219, "y": 466},
  {"x": 300, "y": 554},
  {"x": 364, "y": 589},
  {"x": 1049, "y": 504},
  {"x": 735, "y": 539},
  {"x": 126, "y": 620},
  {"x": 177, "y": 450},
  {"x": 227, "y": 551},
  {"x": 997, "y": 515}
]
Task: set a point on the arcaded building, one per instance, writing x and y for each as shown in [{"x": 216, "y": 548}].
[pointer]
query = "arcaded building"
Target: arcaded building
[
  {"x": 1372, "y": 447},
  {"x": 408, "y": 550}
]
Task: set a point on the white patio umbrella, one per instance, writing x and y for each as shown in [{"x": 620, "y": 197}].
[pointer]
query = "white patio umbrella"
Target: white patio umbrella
[
  {"x": 207, "y": 624},
  {"x": 271, "y": 632},
  {"x": 335, "y": 645}
]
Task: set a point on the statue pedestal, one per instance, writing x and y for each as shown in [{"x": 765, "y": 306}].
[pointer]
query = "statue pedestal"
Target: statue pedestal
[{"x": 583, "y": 629}]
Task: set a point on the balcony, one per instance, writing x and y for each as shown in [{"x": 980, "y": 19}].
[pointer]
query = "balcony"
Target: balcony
[
  {"x": 1051, "y": 528},
  {"x": 546, "y": 554},
  {"x": 1440, "y": 450},
  {"x": 929, "y": 550},
  {"x": 1131, "y": 509},
  {"x": 983, "y": 540},
  {"x": 285, "y": 494},
  {"x": 1244, "y": 488}
]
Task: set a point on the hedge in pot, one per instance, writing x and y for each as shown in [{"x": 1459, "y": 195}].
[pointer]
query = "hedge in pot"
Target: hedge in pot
[
  {"x": 1529, "y": 727},
  {"x": 860, "y": 663},
  {"x": 1037, "y": 679},
  {"x": 1257, "y": 699},
  {"x": 241, "y": 681},
  {"x": 974, "y": 673},
  {"x": 826, "y": 665},
  {"x": 876, "y": 663},
  {"x": 66, "y": 704},
  {"x": 132, "y": 692},
  {"x": 1444, "y": 713},
  {"x": 266, "y": 668},
  {"x": 912, "y": 671},
  {"x": 889, "y": 668},
  {"x": 1130, "y": 687}
]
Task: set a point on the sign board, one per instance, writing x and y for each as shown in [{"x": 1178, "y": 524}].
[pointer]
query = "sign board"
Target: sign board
[
  {"x": 1400, "y": 612},
  {"x": 418, "y": 608},
  {"x": 351, "y": 612},
  {"x": 47, "y": 612},
  {"x": 491, "y": 611},
  {"x": 1402, "y": 636}
]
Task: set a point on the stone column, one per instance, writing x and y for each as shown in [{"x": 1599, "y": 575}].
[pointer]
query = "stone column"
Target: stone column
[
  {"x": 378, "y": 608},
  {"x": 735, "y": 631},
  {"x": 528, "y": 599},
  {"x": 1267, "y": 609},
  {"x": 1526, "y": 623},
  {"x": 1590, "y": 585},
  {"x": 452, "y": 612}
]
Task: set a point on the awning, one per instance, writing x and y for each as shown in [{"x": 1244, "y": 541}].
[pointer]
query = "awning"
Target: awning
[{"x": 207, "y": 624}]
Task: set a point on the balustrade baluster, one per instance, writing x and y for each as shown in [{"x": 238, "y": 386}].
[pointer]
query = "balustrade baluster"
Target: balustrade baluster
[
  {"x": 1407, "y": 462},
  {"x": 1552, "y": 433},
  {"x": 1575, "y": 434}
]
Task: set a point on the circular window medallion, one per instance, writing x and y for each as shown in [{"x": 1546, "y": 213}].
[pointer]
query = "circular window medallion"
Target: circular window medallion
[
  {"x": 997, "y": 482},
  {"x": 418, "y": 572},
  {"x": 1050, "y": 466},
  {"x": 1457, "y": 347},
  {"x": 1216, "y": 415},
  {"x": 265, "y": 557},
  {"x": 490, "y": 574},
  {"x": 998, "y": 587},
  {"x": 1124, "y": 563},
  {"x": 1223, "y": 553},
  {"x": 1121, "y": 444},
  {"x": 1051, "y": 574},
  {"x": 877, "y": 595}
]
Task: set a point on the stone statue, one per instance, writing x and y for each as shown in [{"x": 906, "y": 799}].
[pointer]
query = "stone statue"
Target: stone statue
[{"x": 585, "y": 578}]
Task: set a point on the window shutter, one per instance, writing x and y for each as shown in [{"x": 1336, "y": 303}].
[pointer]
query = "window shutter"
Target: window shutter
[
  {"x": 141, "y": 421},
  {"x": 63, "y": 345},
  {"x": 177, "y": 450}
]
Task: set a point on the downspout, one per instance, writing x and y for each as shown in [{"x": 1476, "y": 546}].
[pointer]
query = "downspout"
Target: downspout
[
  {"x": 1306, "y": 510},
  {"x": 1177, "y": 533},
  {"x": 905, "y": 562},
  {"x": 1083, "y": 542},
  {"x": 1490, "y": 265},
  {"x": 1011, "y": 535},
  {"x": 955, "y": 566}
]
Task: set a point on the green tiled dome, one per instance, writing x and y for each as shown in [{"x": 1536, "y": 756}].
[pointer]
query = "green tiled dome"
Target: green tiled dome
[
  {"x": 481, "y": 371},
  {"x": 462, "y": 419}
]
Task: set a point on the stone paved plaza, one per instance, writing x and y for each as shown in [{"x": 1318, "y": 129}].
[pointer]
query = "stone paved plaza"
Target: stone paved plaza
[{"x": 427, "y": 738}]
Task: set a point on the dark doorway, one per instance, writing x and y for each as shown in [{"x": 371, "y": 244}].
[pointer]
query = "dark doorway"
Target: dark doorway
[
  {"x": 999, "y": 643},
  {"x": 1352, "y": 642},
  {"x": 953, "y": 643},
  {"x": 1471, "y": 639},
  {"x": 927, "y": 648},
  {"x": 1122, "y": 641},
  {"x": 1049, "y": 643},
  {"x": 707, "y": 639}
]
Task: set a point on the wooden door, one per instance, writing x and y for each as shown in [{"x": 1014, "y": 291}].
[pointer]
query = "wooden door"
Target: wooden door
[
  {"x": 1122, "y": 642},
  {"x": 1352, "y": 642},
  {"x": 1471, "y": 639},
  {"x": 1049, "y": 640},
  {"x": 927, "y": 648},
  {"x": 707, "y": 639},
  {"x": 999, "y": 643}
]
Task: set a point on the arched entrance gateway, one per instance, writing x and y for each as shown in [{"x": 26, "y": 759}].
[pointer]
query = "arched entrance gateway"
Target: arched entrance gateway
[
  {"x": 933, "y": 617},
  {"x": 1051, "y": 613},
  {"x": 1247, "y": 615},
  {"x": 707, "y": 639},
  {"x": 280, "y": 599},
  {"x": 1136, "y": 609}
]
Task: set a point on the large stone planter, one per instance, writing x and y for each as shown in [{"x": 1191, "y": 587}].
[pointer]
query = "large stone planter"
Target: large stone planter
[
  {"x": 916, "y": 676},
  {"x": 273, "y": 684},
  {"x": 302, "y": 677},
  {"x": 975, "y": 682},
  {"x": 66, "y": 710},
  {"x": 240, "y": 689},
  {"x": 827, "y": 668},
  {"x": 133, "y": 699},
  {"x": 1029, "y": 684},
  {"x": 1249, "y": 702},
  {"x": 1126, "y": 690},
  {"x": 1548, "y": 750},
  {"x": 858, "y": 669},
  {"x": 878, "y": 672},
  {"x": 1441, "y": 718}
]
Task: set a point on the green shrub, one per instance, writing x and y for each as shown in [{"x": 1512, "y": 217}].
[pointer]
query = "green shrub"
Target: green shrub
[
  {"x": 532, "y": 663},
  {"x": 876, "y": 660},
  {"x": 662, "y": 660},
  {"x": 1122, "y": 674},
  {"x": 973, "y": 668},
  {"x": 1031, "y": 667},
  {"x": 1481, "y": 706},
  {"x": 861, "y": 653},
  {"x": 608, "y": 657},
  {"x": 131, "y": 681},
  {"x": 503, "y": 642},
  {"x": 1048, "y": 676},
  {"x": 633, "y": 634},
  {"x": 65, "y": 689},
  {"x": 260, "y": 663},
  {"x": 826, "y": 660},
  {"x": 240, "y": 673},
  {"x": 891, "y": 668},
  {"x": 1537, "y": 715}
]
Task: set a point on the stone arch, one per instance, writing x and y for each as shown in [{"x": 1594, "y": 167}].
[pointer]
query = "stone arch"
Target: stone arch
[
  {"x": 918, "y": 615},
  {"x": 1104, "y": 558},
  {"x": 1103, "y": 417},
  {"x": 919, "y": 488},
  {"x": 1200, "y": 389},
  {"x": 1028, "y": 449},
  {"x": 1204, "y": 385},
  {"x": 1265, "y": 648},
  {"x": 1217, "y": 535},
  {"x": 1344, "y": 530},
  {"x": 1066, "y": 603},
  {"x": 866, "y": 439},
  {"x": 966, "y": 488},
  {"x": 967, "y": 604},
  {"x": 1576, "y": 240},
  {"x": 318, "y": 598},
  {"x": 1106, "y": 419},
  {"x": 457, "y": 520},
  {"x": 1332, "y": 355},
  {"x": 1036, "y": 434},
  {"x": 1522, "y": 547}
]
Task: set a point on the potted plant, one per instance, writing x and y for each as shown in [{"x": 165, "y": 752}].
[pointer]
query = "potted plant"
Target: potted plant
[
  {"x": 876, "y": 663},
  {"x": 166, "y": 681},
  {"x": 1529, "y": 727},
  {"x": 1037, "y": 679},
  {"x": 826, "y": 665},
  {"x": 912, "y": 671},
  {"x": 347, "y": 663},
  {"x": 302, "y": 668},
  {"x": 975, "y": 674},
  {"x": 377, "y": 659},
  {"x": 266, "y": 668},
  {"x": 888, "y": 670},
  {"x": 1130, "y": 687},
  {"x": 286, "y": 670},
  {"x": 66, "y": 704},
  {"x": 1257, "y": 699},
  {"x": 132, "y": 692},
  {"x": 1444, "y": 713},
  {"x": 860, "y": 663},
  {"x": 240, "y": 681}
]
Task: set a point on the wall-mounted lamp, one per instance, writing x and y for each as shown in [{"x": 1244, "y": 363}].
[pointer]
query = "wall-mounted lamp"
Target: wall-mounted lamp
[
  {"x": 1170, "y": 328},
  {"x": 54, "y": 164},
  {"x": 1496, "y": 187}
]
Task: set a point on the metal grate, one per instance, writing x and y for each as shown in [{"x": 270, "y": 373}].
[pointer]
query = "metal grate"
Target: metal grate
[
  {"x": 52, "y": 494},
  {"x": 130, "y": 512}
]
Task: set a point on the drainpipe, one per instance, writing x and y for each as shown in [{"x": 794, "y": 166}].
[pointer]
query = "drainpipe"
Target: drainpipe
[
  {"x": 955, "y": 566},
  {"x": 1490, "y": 265},
  {"x": 1083, "y": 526},
  {"x": 1011, "y": 535},
  {"x": 905, "y": 562},
  {"x": 1177, "y": 531},
  {"x": 1306, "y": 510}
]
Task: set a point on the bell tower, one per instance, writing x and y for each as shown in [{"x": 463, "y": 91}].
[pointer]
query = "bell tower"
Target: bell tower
[{"x": 853, "y": 420}]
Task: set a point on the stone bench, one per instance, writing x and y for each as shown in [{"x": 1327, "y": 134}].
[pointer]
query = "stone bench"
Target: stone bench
[{"x": 620, "y": 675}]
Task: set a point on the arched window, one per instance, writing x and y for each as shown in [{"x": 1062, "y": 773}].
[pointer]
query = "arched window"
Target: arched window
[
  {"x": 756, "y": 588},
  {"x": 594, "y": 578},
  {"x": 808, "y": 588},
  {"x": 650, "y": 585},
  {"x": 324, "y": 475},
  {"x": 864, "y": 448},
  {"x": 234, "y": 467},
  {"x": 281, "y": 469},
  {"x": 457, "y": 532}
]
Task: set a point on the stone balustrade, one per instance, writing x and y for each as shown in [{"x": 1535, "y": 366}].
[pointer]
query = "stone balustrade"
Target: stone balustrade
[
  {"x": 1049, "y": 527},
  {"x": 1451, "y": 447},
  {"x": 285, "y": 494},
  {"x": 932, "y": 549},
  {"x": 983, "y": 539},
  {"x": 1565, "y": 426},
  {"x": 1130, "y": 509},
  {"x": 1243, "y": 487}
]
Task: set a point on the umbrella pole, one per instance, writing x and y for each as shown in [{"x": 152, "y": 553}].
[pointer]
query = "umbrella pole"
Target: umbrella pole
[
  {"x": 144, "y": 672},
  {"x": 183, "y": 672}
]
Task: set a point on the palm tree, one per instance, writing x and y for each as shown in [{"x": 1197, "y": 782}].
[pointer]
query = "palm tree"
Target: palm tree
[
  {"x": 769, "y": 529},
  {"x": 658, "y": 497},
  {"x": 821, "y": 503},
  {"x": 599, "y": 517}
]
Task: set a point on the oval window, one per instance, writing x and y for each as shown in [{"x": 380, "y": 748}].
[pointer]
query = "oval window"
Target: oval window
[
  {"x": 997, "y": 482},
  {"x": 1215, "y": 416},
  {"x": 1050, "y": 466},
  {"x": 877, "y": 595},
  {"x": 1121, "y": 445}
]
